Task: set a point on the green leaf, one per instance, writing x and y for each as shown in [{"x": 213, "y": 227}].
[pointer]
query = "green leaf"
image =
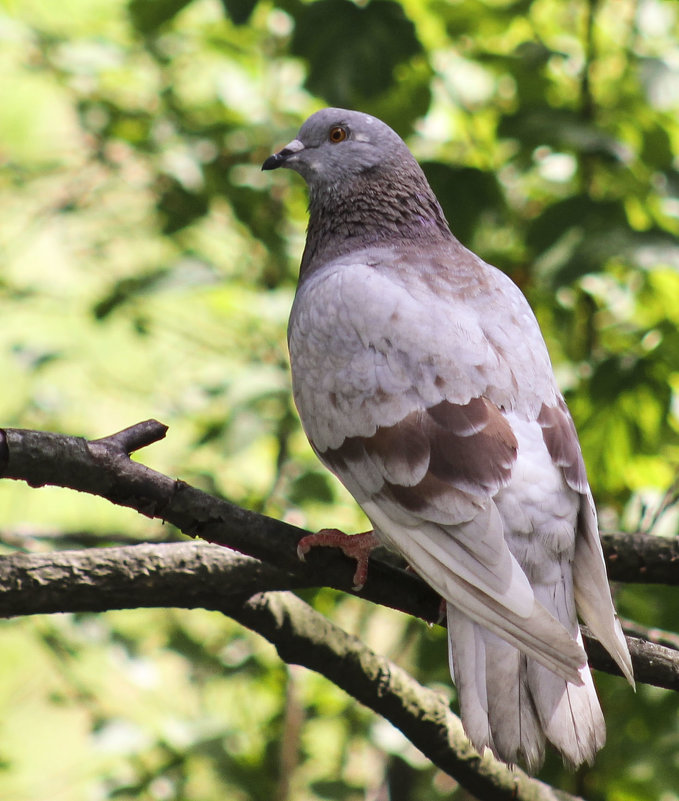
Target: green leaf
[
  {"x": 179, "y": 206},
  {"x": 148, "y": 15},
  {"x": 352, "y": 51},
  {"x": 465, "y": 193},
  {"x": 239, "y": 11},
  {"x": 561, "y": 129},
  {"x": 311, "y": 486}
]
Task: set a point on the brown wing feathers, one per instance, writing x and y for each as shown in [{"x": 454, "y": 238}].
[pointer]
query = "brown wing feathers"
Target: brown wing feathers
[
  {"x": 468, "y": 447},
  {"x": 561, "y": 439}
]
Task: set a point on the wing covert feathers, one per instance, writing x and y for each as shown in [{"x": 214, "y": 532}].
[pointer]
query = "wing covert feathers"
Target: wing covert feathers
[{"x": 592, "y": 593}]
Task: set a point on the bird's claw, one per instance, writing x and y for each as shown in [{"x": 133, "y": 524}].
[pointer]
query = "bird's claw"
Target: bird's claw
[{"x": 355, "y": 546}]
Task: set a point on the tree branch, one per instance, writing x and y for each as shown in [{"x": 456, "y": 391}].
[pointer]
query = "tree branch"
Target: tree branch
[
  {"x": 303, "y": 636},
  {"x": 189, "y": 575},
  {"x": 196, "y": 575},
  {"x": 102, "y": 467},
  {"x": 642, "y": 558}
]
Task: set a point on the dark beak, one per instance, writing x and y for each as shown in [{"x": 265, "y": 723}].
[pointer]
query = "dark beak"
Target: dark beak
[
  {"x": 275, "y": 161},
  {"x": 279, "y": 159}
]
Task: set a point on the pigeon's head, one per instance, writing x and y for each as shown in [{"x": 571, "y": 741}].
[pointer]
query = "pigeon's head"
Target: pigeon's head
[
  {"x": 365, "y": 186},
  {"x": 335, "y": 144}
]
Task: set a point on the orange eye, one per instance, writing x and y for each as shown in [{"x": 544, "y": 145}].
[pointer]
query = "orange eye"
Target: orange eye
[{"x": 337, "y": 134}]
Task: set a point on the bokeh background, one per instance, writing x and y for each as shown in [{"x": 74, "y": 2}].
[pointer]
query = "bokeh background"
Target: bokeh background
[{"x": 147, "y": 270}]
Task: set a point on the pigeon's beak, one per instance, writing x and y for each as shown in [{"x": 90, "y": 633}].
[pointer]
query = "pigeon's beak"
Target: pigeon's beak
[{"x": 279, "y": 159}]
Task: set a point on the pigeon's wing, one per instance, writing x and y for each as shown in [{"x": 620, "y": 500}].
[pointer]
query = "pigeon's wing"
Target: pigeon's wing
[
  {"x": 590, "y": 582},
  {"x": 407, "y": 390}
]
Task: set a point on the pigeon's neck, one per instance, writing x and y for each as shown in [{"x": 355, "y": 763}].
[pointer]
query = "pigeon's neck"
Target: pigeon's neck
[{"x": 366, "y": 212}]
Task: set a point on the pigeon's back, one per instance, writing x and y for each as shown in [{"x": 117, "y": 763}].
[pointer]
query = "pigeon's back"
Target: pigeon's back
[{"x": 423, "y": 382}]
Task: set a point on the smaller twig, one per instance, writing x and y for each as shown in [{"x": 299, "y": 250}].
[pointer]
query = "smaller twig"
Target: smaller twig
[
  {"x": 668, "y": 639},
  {"x": 669, "y": 499},
  {"x": 135, "y": 437},
  {"x": 586, "y": 98},
  {"x": 653, "y": 664},
  {"x": 29, "y": 540},
  {"x": 290, "y": 741}
]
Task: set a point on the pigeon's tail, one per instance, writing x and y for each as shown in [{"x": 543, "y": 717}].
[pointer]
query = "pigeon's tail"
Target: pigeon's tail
[
  {"x": 512, "y": 704},
  {"x": 492, "y": 686}
]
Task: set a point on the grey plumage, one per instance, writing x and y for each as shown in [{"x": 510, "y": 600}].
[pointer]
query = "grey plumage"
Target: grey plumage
[{"x": 422, "y": 380}]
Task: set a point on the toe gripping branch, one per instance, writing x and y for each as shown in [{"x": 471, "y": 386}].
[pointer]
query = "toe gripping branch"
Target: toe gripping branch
[{"x": 355, "y": 546}]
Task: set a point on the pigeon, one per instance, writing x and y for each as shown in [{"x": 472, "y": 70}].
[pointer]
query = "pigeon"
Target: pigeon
[{"x": 423, "y": 382}]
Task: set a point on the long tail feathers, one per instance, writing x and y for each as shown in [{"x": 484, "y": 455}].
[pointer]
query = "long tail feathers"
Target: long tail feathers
[
  {"x": 511, "y": 704},
  {"x": 515, "y": 646}
]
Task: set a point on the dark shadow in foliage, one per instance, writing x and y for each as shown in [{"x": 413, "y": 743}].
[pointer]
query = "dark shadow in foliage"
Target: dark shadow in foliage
[
  {"x": 462, "y": 18},
  {"x": 186, "y": 272},
  {"x": 576, "y": 211},
  {"x": 562, "y": 130},
  {"x": 127, "y": 289},
  {"x": 261, "y": 212},
  {"x": 352, "y": 51},
  {"x": 239, "y": 11},
  {"x": 617, "y": 375},
  {"x": 108, "y": 121},
  {"x": 579, "y": 235},
  {"x": 262, "y": 216},
  {"x": 311, "y": 485},
  {"x": 465, "y": 193},
  {"x": 656, "y": 150},
  {"x": 402, "y": 780},
  {"x": 148, "y": 15},
  {"x": 180, "y": 207}
]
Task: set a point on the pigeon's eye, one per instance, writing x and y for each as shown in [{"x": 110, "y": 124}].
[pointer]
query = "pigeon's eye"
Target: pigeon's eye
[{"x": 337, "y": 134}]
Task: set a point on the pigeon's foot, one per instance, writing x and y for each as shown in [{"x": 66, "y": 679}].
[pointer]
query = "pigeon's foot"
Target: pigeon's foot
[{"x": 355, "y": 546}]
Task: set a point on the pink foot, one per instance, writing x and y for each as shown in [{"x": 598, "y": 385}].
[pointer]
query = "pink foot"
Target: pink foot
[{"x": 355, "y": 546}]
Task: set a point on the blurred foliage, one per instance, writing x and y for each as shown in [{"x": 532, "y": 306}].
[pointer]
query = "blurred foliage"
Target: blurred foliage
[{"x": 148, "y": 268}]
